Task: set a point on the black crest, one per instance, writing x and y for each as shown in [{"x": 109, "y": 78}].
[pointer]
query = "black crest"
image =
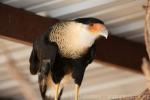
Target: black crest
[{"x": 89, "y": 20}]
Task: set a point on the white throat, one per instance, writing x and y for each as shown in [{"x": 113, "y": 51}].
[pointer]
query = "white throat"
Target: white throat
[
  {"x": 86, "y": 38},
  {"x": 73, "y": 40}
]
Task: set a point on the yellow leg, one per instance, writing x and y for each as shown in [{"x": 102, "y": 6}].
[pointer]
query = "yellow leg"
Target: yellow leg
[
  {"x": 77, "y": 91},
  {"x": 57, "y": 91}
]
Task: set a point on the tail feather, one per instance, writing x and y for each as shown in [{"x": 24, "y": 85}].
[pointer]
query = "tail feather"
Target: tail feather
[
  {"x": 60, "y": 94},
  {"x": 45, "y": 90},
  {"x": 45, "y": 97}
]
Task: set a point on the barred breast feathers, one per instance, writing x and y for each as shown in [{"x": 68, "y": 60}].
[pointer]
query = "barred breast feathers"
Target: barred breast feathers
[{"x": 72, "y": 38}]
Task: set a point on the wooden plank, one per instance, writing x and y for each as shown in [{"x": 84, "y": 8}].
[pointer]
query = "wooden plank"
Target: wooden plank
[
  {"x": 121, "y": 52},
  {"x": 22, "y": 25}
]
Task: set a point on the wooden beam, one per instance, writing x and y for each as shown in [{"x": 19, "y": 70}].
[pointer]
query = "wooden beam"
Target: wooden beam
[
  {"x": 121, "y": 52},
  {"x": 147, "y": 27},
  {"x": 26, "y": 26},
  {"x": 22, "y": 25}
]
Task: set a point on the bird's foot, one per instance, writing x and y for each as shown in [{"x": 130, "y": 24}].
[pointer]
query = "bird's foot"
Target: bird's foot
[
  {"x": 57, "y": 91},
  {"x": 77, "y": 87}
]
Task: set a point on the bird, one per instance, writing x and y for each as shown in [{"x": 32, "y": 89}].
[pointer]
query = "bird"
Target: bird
[{"x": 63, "y": 53}]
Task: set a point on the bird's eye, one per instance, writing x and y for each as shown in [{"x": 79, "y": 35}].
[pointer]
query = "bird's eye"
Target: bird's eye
[{"x": 91, "y": 24}]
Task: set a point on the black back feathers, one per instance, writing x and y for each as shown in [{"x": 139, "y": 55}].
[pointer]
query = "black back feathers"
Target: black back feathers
[{"x": 43, "y": 50}]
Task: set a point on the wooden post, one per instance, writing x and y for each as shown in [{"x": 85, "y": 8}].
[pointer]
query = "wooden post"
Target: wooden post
[{"x": 146, "y": 64}]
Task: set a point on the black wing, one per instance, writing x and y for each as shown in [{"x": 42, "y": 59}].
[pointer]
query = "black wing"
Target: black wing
[
  {"x": 79, "y": 65},
  {"x": 43, "y": 53},
  {"x": 91, "y": 54}
]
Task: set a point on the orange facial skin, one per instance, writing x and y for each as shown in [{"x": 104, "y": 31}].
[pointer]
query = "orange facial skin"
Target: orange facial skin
[{"x": 96, "y": 27}]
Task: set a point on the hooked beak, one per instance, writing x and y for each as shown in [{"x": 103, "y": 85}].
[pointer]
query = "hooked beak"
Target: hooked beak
[{"x": 104, "y": 32}]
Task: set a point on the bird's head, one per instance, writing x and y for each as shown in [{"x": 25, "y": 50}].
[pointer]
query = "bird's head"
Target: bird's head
[{"x": 95, "y": 26}]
